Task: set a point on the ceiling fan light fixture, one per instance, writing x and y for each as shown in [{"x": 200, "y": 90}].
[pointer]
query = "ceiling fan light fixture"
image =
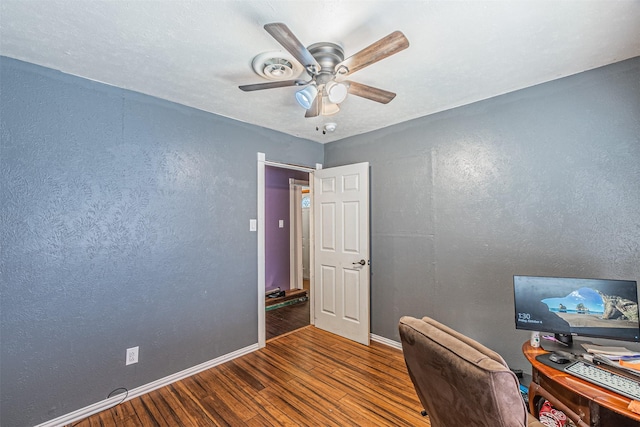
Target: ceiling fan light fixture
[
  {"x": 337, "y": 92},
  {"x": 326, "y": 67},
  {"x": 329, "y": 108},
  {"x": 306, "y": 96}
]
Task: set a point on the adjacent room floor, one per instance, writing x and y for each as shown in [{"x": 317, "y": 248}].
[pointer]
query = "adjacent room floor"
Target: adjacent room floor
[{"x": 287, "y": 313}]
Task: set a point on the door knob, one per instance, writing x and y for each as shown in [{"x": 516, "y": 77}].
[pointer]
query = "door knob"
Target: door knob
[{"x": 361, "y": 262}]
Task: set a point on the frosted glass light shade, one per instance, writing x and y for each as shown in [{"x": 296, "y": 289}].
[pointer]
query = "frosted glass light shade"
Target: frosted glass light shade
[
  {"x": 337, "y": 92},
  {"x": 329, "y": 108},
  {"x": 306, "y": 96}
]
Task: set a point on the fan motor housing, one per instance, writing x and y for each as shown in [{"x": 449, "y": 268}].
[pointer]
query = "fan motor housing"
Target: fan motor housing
[{"x": 327, "y": 54}]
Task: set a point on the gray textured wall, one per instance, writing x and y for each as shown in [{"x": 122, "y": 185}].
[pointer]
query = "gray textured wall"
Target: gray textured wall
[
  {"x": 543, "y": 181},
  {"x": 124, "y": 222}
]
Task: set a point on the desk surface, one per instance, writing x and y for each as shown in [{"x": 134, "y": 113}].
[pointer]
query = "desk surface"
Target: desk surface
[{"x": 592, "y": 392}]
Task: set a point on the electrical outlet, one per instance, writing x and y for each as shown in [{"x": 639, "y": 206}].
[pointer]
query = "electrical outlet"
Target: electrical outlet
[{"x": 132, "y": 355}]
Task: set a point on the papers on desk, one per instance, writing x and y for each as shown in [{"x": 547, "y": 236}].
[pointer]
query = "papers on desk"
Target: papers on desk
[
  {"x": 626, "y": 359},
  {"x": 613, "y": 353},
  {"x": 630, "y": 364}
]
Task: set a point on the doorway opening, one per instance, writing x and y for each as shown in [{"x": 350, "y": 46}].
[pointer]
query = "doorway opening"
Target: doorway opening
[
  {"x": 286, "y": 299},
  {"x": 284, "y": 303},
  {"x": 339, "y": 256},
  {"x": 300, "y": 199}
]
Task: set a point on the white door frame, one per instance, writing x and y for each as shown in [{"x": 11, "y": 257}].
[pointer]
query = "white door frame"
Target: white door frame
[{"x": 262, "y": 162}]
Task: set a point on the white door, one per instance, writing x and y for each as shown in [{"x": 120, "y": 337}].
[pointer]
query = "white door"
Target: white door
[{"x": 341, "y": 220}]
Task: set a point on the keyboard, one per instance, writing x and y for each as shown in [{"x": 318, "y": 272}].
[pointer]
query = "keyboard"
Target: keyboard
[{"x": 606, "y": 379}]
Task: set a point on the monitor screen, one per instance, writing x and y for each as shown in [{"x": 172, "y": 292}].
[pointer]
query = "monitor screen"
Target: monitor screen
[{"x": 569, "y": 306}]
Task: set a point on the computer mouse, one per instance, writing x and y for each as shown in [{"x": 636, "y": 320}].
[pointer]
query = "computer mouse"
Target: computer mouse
[{"x": 559, "y": 358}]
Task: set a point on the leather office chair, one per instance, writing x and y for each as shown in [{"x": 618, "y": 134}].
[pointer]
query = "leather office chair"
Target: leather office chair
[{"x": 460, "y": 382}]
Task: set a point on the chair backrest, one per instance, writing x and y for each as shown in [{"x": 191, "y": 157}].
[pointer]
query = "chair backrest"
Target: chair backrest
[{"x": 459, "y": 381}]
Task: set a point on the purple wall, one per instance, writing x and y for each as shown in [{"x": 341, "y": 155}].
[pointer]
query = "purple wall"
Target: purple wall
[{"x": 277, "y": 239}]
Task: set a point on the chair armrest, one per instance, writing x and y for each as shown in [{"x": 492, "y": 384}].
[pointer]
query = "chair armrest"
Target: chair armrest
[{"x": 536, "y": 390}]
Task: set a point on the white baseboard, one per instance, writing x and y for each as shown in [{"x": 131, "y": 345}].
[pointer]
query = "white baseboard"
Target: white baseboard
[
  {"x": 386, "y": 341},
  {"x": 87, "y": 411}
]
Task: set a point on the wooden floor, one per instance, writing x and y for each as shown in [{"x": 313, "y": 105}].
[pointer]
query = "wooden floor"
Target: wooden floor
[
  {"x": 286, "y": 319},
  {"x": 306, "y": 378}
]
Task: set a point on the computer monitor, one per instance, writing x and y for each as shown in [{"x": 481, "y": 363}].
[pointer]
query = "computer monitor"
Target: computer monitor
[{"x": 567, "y": 307}]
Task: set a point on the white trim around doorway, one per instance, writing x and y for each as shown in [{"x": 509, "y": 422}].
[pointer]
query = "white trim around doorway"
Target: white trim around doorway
[{"x": 262, "y": 162}]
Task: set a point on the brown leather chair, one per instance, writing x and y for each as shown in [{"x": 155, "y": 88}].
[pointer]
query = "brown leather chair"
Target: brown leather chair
[{"x": 460, "y": 382}]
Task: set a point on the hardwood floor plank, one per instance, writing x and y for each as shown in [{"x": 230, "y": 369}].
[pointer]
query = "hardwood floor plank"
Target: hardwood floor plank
[
  {"x": 262, "y": 369},
  {"x": 222, "y": 414},
  {"x": 357, "y": 415},
  {"x": 295, "y": 364},
  {"x": 290, "y": 354},
  {"x": 321, "y": 355},
  {"x": 241, "y": 377},
  {"x": 386, "y": 401},
  {"x": 379, "y": 416},
  {"x": 226, "y": 391},
  {"x": 324, "y": 400},
  {"x": 260, "y": 421},
  {"x": 309, "y": 377},
  {"x": 126, "y": 412},
  {"x": 319, "y": 387},
  {"x": 190, "y": 408},
  {"x": 369, "y": 391},
  {"x": 386, "y": 373},
  {"x": 303, "y": 413},
  {"x": 150, "y": 413},
  {"x": 144, "y": 416},
  {"x": 387, "y": 384},
  {"x": 164, "y": 414},
  {"x": 270, "y": 411}
]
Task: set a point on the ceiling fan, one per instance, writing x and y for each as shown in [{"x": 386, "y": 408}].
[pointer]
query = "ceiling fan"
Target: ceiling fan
[{"x": 325, "y": 64}]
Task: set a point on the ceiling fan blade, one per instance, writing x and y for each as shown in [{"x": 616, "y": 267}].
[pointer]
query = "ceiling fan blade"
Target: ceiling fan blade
[
  {"x": 316, "y": 107},
  {"x": 289, "y": 41},
  {"x": 383, "y": 48},
  {"x": 370, "y": 92},
  {"x": 271, "y": 85}
]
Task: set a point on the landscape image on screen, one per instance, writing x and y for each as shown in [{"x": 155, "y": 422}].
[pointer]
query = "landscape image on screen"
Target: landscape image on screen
[
  {"x": 586, "y": 307},
  {"x": 590, "y": 307}
]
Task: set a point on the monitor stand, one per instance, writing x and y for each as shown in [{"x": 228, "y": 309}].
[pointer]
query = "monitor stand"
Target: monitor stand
[
  {"x": 564, "y": 342},
  {"x": 566, "y": 345}
]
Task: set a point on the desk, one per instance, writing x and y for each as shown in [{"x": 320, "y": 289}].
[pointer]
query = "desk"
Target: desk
[{"x": 597, "y": 406}]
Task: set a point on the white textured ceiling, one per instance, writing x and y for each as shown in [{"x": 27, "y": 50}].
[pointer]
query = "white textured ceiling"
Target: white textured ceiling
[{"x": 196, "y": 53}]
